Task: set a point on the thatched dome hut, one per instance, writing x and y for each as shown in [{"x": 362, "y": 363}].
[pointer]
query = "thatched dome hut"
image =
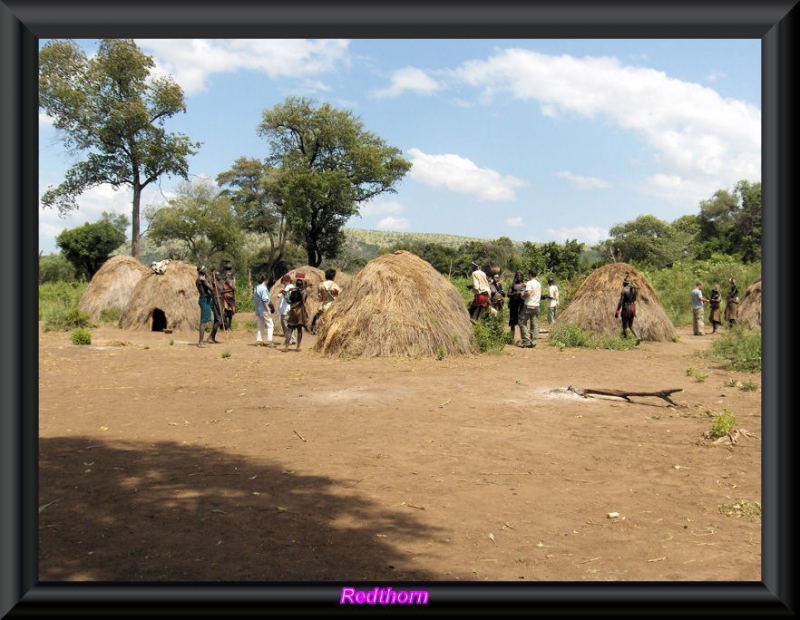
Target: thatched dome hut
[
  {"x": 112, "y": 285},
  {"x": 750, "y": 306},
  {"x": 162, "y": 301},
  {"x": 593, "y": 305},
  {"x": 397, "y": 305}
]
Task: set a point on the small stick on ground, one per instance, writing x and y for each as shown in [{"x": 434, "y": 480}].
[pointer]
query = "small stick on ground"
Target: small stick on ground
[
  {"x": 299, "y": 435},
  {"x": 624, "y": 394}
]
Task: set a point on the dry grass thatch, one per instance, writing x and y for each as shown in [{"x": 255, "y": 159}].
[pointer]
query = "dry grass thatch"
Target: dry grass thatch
[
  {"x": 397, "y": 305},
  {"x": 593, "y": 305},
  {"x": 112, "y": 285},
  {"x": 750, "y": 306},
  {"x": 164, "y": 301}
]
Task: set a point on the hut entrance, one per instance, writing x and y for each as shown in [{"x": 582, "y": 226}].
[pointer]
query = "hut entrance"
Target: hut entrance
[{"x": 159, "y": 320}]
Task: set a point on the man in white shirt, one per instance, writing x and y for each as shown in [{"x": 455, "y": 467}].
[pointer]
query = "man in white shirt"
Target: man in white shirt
[
  {"x": 263, "y": 313},
  {"x": 529, "y": 314},
  {"x": 552, "y": 301}
]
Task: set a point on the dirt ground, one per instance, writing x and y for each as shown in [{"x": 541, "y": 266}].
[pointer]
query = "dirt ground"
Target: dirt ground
[{"x": 162, "y": 461}]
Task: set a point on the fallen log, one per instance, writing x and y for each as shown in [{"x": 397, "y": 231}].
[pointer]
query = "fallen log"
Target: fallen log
[{"x": 625, "y": 394}]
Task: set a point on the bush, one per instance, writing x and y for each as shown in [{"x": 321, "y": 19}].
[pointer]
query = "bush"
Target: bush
[
  {"x": 110, "y": 315},
  {"x": 739, "y": 349},
  {"x": 723, "y": 424},
  {"x": 575, "y": 336},
  {"x": 81, "y": 336},
  {"x": 490, "y": 333}
]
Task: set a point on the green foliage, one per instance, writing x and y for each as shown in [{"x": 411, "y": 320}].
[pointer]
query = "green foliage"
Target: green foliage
[
  {"x": 490, "y": 333},
  {"x": 440, "y": 353},
  {"x": 81, "y": 336},
  {"x": 110, "y": 315},
  {"x": 742, "y": 508},
  {"x": 55, "y": 268},
  {"x": 723, "y": 424},
  {"x": 226, "y": 355},
  {"x": 58, "y": 305},
  {"x": 110, "y": 107},
  {"x": 329, "y": 165},
  {"x": 87, "y": 247},
  {"x": 201, "y": 219},
  {"x": 574, "y": 336},
  {"x": 738, "y": 348}
]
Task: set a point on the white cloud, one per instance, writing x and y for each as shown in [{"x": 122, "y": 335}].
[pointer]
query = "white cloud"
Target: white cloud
[
  {"x": 516, "y": 222},
  {"x": 379, "y": 208},
  {"x": 461, "y": 175},
  {"x": 717, "y": 75},
  {"x": 696, "y": 134},
  {"x": 393, "y": 223},
  {"x": 590, "y": 235},
  {"x": 584, "y": 182},
  {"x": 192, "y": 61},
  {"x": 409, "y": 79}
]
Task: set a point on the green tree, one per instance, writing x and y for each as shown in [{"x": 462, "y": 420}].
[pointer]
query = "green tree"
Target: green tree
[
  {"x": 746, "y": 233},
  {"x": 329, "y": 166},
  {"x": 201, "y": 219},
  {"x": 254, "y": 189},
  {"x": 109, "y": 107},
  {"x": 87, "y": 247}
]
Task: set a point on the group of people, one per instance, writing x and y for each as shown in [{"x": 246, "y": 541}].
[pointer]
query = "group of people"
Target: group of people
[
  {"x": 217, "y": 300},
  {"x": 714, "y": 301},
  {"x": 292, "y": 308},
  {"x": 524, "y": 299}
]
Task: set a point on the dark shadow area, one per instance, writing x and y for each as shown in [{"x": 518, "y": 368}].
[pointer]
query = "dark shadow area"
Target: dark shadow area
[
  {"x": 159, "y": 323},
  {"x": 167, "y": 512}
]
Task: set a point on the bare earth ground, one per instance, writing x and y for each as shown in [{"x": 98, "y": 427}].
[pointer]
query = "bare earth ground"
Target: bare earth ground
[{"x": 163, "y": 461}]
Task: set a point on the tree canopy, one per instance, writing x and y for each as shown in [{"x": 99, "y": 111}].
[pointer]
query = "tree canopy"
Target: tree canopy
[
  {"x": 87, "y": 247},
  {"x": 329, "y": 165},
  {"x": 109, "y": 107}
]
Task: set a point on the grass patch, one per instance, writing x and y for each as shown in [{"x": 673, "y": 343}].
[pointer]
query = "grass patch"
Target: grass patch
[
  {"x": 490, "y": 333},
  {"x": 81, "y": 336},
  {"x": 738, "y": 349},
  {"x": 723, "y": 424},
  {"x": 574, "y": 336},
  {"x": 742, "y": 508},
  {"x": 110, "y": 315}
]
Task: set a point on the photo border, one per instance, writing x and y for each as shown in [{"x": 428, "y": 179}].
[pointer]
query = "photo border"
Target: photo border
[{"x": 24, "y": 22}]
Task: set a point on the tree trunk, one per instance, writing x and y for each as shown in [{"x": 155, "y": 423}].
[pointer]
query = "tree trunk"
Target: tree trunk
[
  {"x": 624, "y": 394},
  {"x": 135, "y": 226}
]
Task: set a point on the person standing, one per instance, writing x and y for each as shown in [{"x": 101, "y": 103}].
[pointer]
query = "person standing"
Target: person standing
[
  {"x": 498, "y": 294},
  {"x": 515, "y": 301},
  {"x": 205, "y": 300},
  {"x": 626, "y": 307},
  {"x": 698, "y": 326},
  {"x": 714, "y": 301},
  {"x": 732, "y": 303},
  {"x": 327, "y": 292},
  {"x": 529, "y": 315},
  {"x": 284, "y": 305},
  {"x": 297, "y": 319},
  {"x": 227, "y": 289},
  {"x": 552, "y": 300},
  {"x": 481, "y": 289},
  {"x": 264, "y": 320}
]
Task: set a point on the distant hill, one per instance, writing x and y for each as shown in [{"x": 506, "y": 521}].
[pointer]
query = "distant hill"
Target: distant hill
[{"x": 367, "y": 243}]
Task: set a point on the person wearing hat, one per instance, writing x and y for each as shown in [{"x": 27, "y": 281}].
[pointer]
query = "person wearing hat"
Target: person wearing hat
[
  {"x": 481, "y": 290},
  {"x": 627, "y": 307},
  {"x": 552, "y": 300}
]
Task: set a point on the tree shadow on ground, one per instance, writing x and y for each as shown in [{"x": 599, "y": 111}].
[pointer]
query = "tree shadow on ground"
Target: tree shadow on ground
[{"x": 133, "y": 512}]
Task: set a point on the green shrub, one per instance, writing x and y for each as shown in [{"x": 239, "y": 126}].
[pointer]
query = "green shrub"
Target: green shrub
[
  {"x": 572, "y": 335},
  {"x": 490, "y": 333},
  {"x": 739, "y": 348},
  {"x": 723, "y": 424},
  {"x": 81, "y": 336}
]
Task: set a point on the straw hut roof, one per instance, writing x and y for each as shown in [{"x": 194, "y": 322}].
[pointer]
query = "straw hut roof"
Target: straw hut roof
[
  {"x": 398, "y": 305},
  {"x": 750, "y": 306},
  {"x": 593, "y": 305},
  {"x": 167, "y": 300},
  {"x": 112, "y": 285}
]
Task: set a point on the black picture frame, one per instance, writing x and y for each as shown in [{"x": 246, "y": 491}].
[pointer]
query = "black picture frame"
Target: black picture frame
[{"x": 24, "y": 22}]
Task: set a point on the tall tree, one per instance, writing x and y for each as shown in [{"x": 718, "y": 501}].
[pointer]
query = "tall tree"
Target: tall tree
[
  {"x": 329, "y": 166},
  {"x": 201, "y": 219},
  {"x": 87, "y": 247},
  {"x": 255, "y": 192},
  {"x": 109, "y": 107}
]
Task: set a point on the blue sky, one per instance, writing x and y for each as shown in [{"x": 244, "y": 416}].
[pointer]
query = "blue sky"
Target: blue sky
[{"x": 534, "y": 139}]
